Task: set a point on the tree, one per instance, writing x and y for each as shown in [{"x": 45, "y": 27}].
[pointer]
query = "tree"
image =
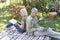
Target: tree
[
  {"x": 2, "y": 1},
  {"x": 24, "y": 2}
]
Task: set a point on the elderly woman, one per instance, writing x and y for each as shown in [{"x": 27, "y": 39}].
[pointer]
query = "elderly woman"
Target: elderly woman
[
  {"x": 32, "y": 26},
  {"x": 24, "y": 15},
  {"x": 20, "y": 28}
]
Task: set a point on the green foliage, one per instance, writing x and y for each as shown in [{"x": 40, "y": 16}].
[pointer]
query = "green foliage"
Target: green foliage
[
  {"x": 54, "y": 5},
  {"x": 45, "y": 6},
  {"x": 2, "y": 1},
  {"x": 53, "y": 23},
  {"x": 40, "y": 4}
]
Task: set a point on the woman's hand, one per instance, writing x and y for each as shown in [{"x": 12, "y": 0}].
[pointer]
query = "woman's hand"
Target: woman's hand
[
  {"x": 16, "y": 23},
  {"x": 19, "y": 23},
  {"x": 22, "y": 25}
]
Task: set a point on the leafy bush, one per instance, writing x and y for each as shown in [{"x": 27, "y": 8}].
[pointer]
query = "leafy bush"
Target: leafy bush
[{"x": 54, "y": 6}]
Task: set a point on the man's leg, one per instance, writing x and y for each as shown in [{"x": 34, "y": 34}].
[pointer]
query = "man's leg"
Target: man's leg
[
  {"x": 40, "y": 31},
  {"x": 53, "y": 33}
]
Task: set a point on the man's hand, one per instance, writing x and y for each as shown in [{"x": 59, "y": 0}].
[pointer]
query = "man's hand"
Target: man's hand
[{"x": 41, "y": 18}]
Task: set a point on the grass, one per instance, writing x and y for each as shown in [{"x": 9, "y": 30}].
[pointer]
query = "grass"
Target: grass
[
  {"x": 53, "y": 23},
  {"x": 5, "y": 16}
]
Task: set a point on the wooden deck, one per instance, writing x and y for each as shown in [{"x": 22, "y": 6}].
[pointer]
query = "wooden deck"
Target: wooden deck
[{"x": 10, "y": 35}]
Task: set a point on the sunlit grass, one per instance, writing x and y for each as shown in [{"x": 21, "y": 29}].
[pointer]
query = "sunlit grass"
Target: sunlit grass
[
  {"x": 5, "y": 16},
  {"x": 2, "y": 5},
  {"x": 7, "y": 3},
  {"x": 57, "y": 25}
]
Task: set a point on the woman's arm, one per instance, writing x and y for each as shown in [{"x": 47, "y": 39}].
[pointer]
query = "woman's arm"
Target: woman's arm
[{"x": 19, "y": 22}]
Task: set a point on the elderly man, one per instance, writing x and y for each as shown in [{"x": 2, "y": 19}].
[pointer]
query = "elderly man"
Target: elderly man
[{"x": 32, "y": 26}]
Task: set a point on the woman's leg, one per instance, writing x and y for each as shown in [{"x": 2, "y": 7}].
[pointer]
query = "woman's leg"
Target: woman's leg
[
  {"x": 19, "y": 29},
  {"x": 9, "y": 25}
]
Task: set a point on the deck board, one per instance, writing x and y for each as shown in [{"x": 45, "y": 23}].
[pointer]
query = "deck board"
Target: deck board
[
  {"x": 3, "y": 35},
  {"x": 30, "y": 38},
  {"x": 10, "y": 35},
  {"x": 25, "y": 37},
  {"x": 47, "y": 38},
  {"x": 13, "y": 35},
  {"x": 21, "y": 36},
  {"x": 16, "y": 36},
  {"x": 35, "y": 38},
  {"x": 41, "y": 38},
  {"x": 5, "y": 38}
]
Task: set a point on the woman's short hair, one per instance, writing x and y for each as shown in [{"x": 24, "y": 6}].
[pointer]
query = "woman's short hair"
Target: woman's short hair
[{"x": 23, "y": 11}]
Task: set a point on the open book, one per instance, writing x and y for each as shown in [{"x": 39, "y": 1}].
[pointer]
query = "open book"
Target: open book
[{"x": 13, "y": 21}]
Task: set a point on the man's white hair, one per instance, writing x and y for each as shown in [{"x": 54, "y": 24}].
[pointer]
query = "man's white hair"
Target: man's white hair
[
  {"x": 34, "y": 10},
  {"x": 23, "y": 11}
]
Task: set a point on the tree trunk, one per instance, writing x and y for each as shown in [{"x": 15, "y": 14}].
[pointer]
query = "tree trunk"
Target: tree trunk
[{"x": 24, "y": 2}]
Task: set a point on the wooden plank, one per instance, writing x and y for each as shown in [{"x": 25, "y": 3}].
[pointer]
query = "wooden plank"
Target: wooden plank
[
  {"x": 3, "y": 35},
  {"x": 12, "y": 35},
  {"x": 0, "y": 32},
  {"x": 5, "y": 38},
  {"x": 25, "y": 37},
  {"x": 20, "y": 37},
  {"x": 6, "y": 34},
  {"x": 30, "y": 38},
  {"x": 6, "y": 31},
  {"x": 41, "y": 37},
  {"x": 16, "y": 36},
  {"x": 35, "y": 38},
  {"x": 47, "y": 38}
]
